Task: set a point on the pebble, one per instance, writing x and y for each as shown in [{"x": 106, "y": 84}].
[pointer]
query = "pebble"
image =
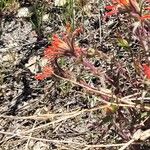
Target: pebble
[{"x": 24, "y": 12}]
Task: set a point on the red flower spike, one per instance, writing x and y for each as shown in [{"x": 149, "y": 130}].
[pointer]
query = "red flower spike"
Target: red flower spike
[
  {"x": 146, "y": 70},
  {"x": 108, "y": 14},
  {"x": 113, "y": 9},
  {"x": 145, "y": 17},
  {"x": 57, "y": 43},
  {"x": 123, "y": 2},
  {"x": 60, "y": 47},
  {"x": 109, "y": 7},
  {"x": 51, "y": 53},
  {"x": 57, "y": 48},
  {"x": 39, "y": 76},
  {"x": 47, "y": 72}
]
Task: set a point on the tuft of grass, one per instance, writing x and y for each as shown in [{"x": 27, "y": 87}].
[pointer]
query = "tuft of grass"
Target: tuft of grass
[
  {"x": 36, "y": 18},
  {"x": 8, "y": 5}
]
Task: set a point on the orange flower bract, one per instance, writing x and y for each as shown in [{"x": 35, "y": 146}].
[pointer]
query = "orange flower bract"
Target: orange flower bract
[
  {"x": 132, "y": 6},
  {"x": 123, "y": 2},
  {"x": 47, "y": 72},
  {"x": 57, "y": 48},
  {"x": 146, "y": 70},
  {"x": 114, "y": 7},
  {"x": 57, "y": 43},
  {"x": 145, "y": 17}
]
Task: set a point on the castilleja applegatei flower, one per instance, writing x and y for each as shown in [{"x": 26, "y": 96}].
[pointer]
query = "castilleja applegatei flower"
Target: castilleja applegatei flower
[
  {"x": 60, "y": 48},
  {"x": 131, "y": 6}
]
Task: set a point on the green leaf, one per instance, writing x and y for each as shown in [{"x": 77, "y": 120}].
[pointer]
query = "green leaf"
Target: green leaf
[{"x": 122, "y": 42}]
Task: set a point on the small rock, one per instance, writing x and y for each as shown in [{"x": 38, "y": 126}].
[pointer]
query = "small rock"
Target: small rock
[
  {"x": 45, "y": 18},
  {"x": 24, "y": 12},
  {"x": 60, "y": 2},
  {"x": 34, "y": 63},
  {"x": 40, "y": 146}
]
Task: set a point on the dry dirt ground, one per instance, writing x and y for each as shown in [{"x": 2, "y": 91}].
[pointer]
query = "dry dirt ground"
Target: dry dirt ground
[{"x": 56, "y": 114}]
